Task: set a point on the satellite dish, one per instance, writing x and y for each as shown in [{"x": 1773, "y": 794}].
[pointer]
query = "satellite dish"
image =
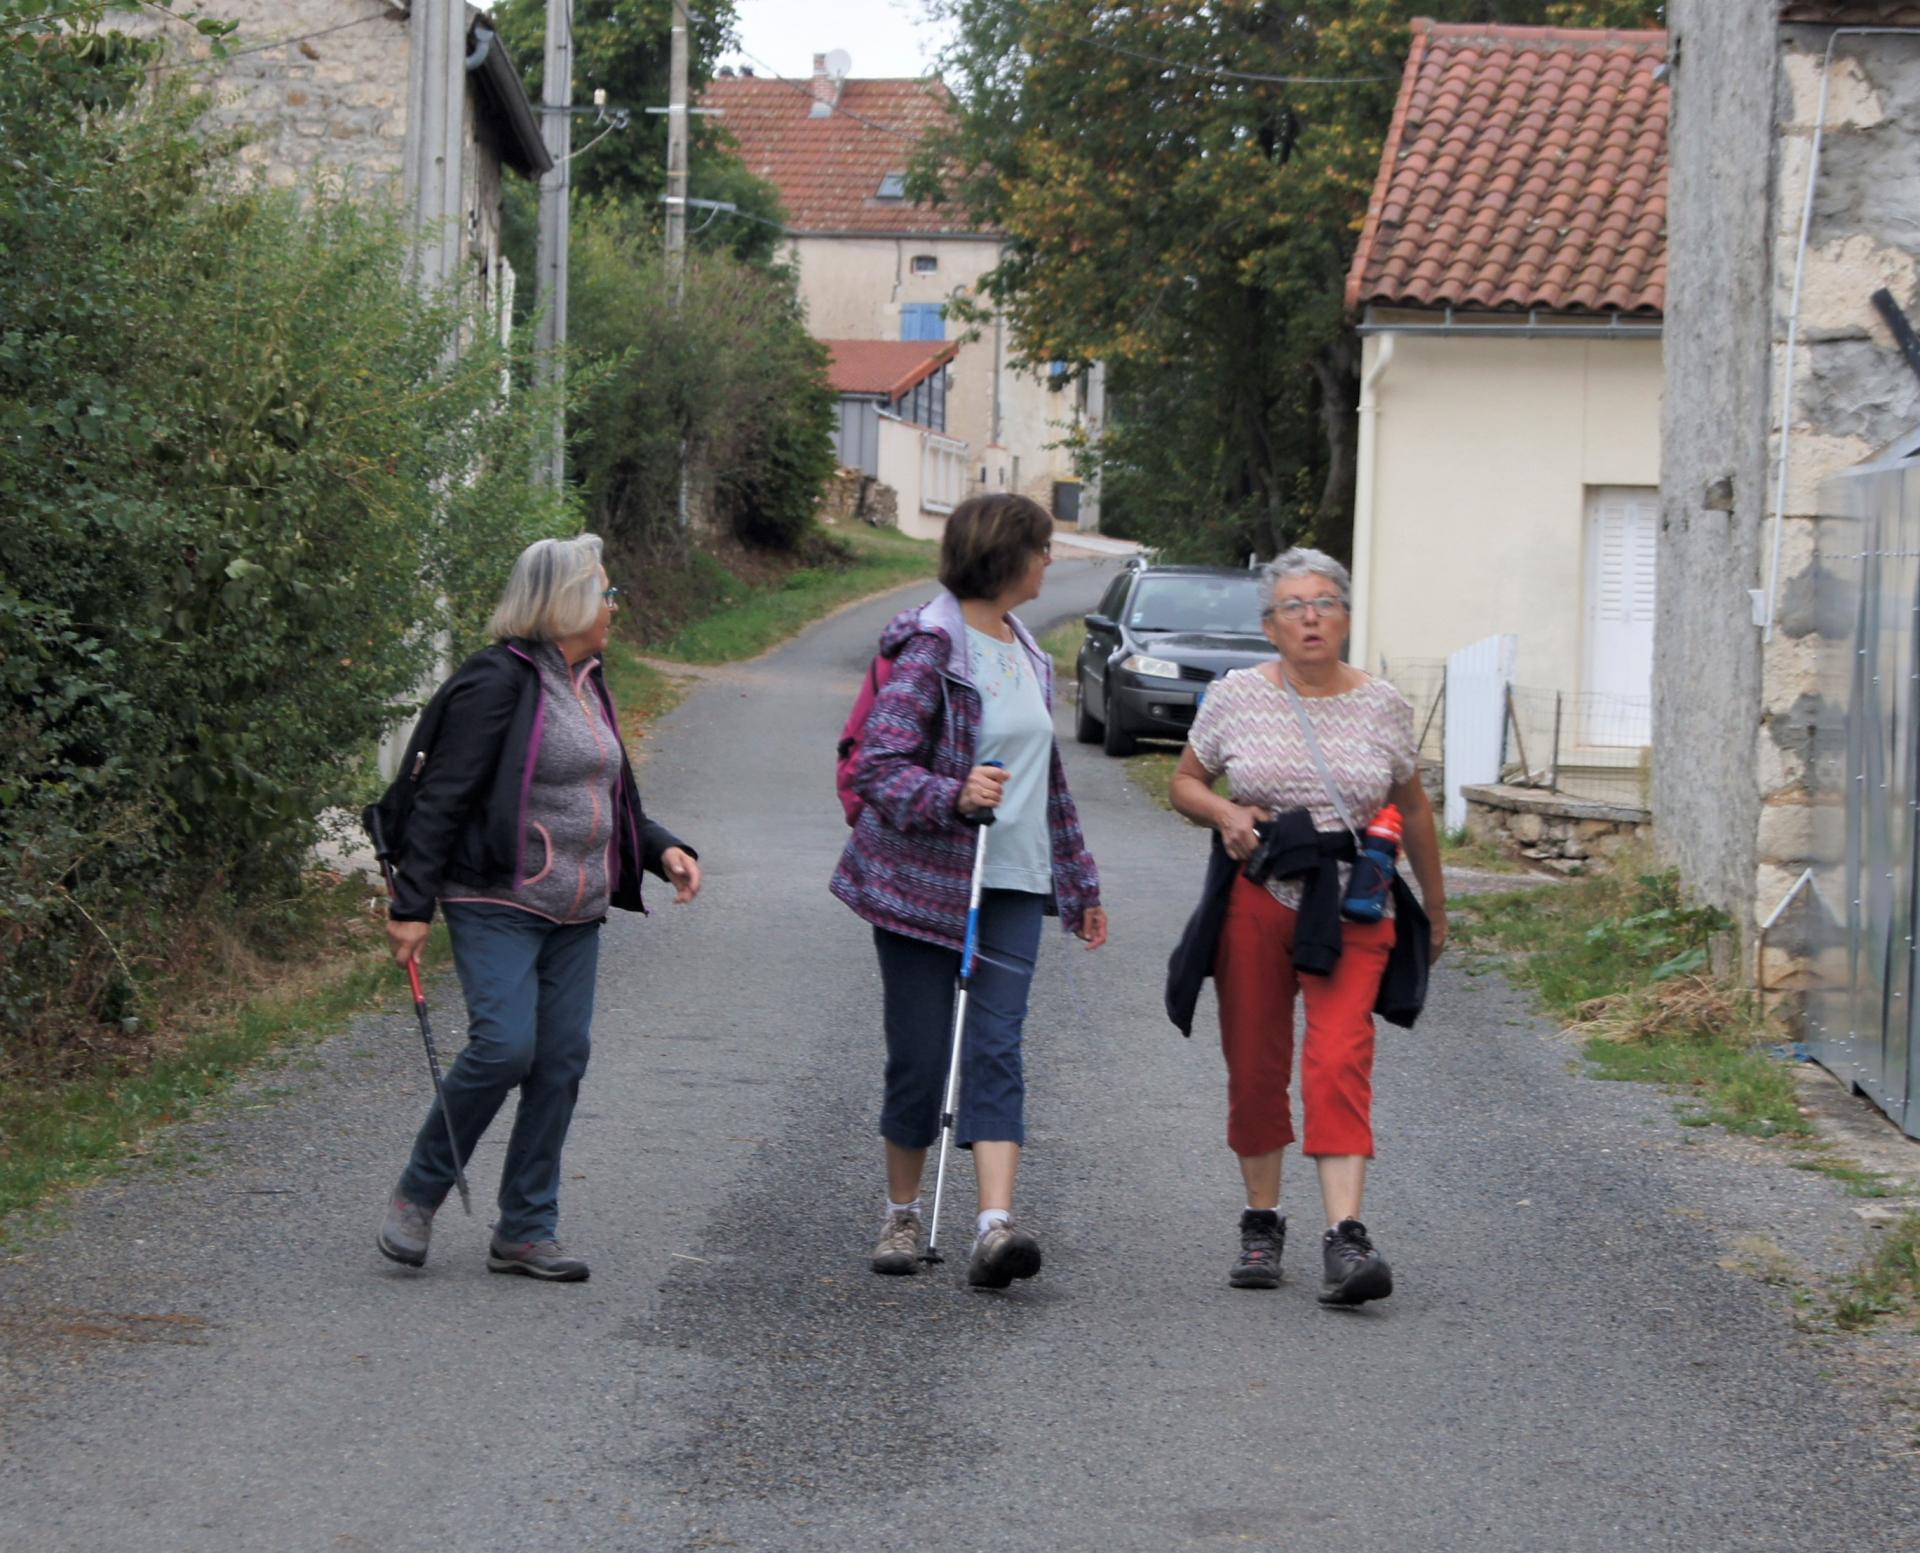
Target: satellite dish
[{"x": 839, "y": 62}]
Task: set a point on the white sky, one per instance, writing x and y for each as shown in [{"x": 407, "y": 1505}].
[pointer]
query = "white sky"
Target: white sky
[{"x": 885, "y": 37}]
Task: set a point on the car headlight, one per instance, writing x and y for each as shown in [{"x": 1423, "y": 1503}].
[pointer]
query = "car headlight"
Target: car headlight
[{"x": 1140, "y": 663}]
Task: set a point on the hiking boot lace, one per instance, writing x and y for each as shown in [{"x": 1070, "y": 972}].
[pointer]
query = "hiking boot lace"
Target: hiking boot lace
[{"x": 1352, "y": 1246}]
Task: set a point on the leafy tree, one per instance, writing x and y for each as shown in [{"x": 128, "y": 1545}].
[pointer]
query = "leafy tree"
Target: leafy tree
[
  {"x": 621, "y": 47},
  {"x": 1182, "y": 183}
]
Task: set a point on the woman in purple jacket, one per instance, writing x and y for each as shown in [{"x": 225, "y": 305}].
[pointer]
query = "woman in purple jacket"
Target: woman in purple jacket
[
  {"x": 969, "y": 686},
  {"x": 516, "y": 814}
]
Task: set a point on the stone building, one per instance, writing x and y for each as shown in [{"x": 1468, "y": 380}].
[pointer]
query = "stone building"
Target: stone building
[
  {"x": 875, "y": 266},
  {"x": 1781, "y": 374},
  {"x": 418, "y": 101}
]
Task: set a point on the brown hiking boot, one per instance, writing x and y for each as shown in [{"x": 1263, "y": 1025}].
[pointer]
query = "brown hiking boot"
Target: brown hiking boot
[
  {"x": 899, "y": 1248},
  {"x": 1002, "y": 1255}
]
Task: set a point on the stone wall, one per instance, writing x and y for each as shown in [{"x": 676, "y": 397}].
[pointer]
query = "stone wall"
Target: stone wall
[
  {"x": 1853, "y": 393},
  {"x": 1713, "y": 474},
  {"x": 335, "y": 103},
  {"x": 851, "y": 495},
  {"x": 1568, "y": 835}
]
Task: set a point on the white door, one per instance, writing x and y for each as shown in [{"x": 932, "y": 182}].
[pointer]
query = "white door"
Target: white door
[{"x": 1622, "y": 535}]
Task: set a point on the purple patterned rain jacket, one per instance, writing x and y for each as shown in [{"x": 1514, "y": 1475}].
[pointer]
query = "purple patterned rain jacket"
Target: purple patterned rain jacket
[{"x": 909, "y": 863}]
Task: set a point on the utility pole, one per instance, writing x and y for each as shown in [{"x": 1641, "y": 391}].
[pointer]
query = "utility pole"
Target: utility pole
[
  {"x": 550, "y": 281},
  {"x": 677, "y": 153},
  {"x": 677, "y": 206}
]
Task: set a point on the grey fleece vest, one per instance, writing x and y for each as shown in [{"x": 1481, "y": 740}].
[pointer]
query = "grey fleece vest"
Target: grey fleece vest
[{"x": 568, "y": 817}]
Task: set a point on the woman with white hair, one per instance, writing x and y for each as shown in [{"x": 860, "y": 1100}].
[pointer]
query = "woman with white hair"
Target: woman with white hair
[
  {"x": 1311, "y": 748},
  {"x": 516, "y": 812}
]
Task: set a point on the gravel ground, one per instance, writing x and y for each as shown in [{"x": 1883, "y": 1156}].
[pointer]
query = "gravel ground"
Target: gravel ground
[{"x": 211, "y": 1356}]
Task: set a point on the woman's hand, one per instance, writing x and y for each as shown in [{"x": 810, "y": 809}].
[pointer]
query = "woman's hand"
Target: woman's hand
[
  {"x": 981, "y": 791},
  {"x": 1093, "y": 927},
  {"x": 683, "y": 871},
  {"x": 407, "y": 939},
  {"x": 1235, "y": 823},
  {"x": 1438, "y": 920}
]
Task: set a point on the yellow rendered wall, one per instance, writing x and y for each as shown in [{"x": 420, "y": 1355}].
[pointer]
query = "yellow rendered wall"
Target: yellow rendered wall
[
  {"x": 853, "y": 288},
  {"x": 1483, "y": 453}
]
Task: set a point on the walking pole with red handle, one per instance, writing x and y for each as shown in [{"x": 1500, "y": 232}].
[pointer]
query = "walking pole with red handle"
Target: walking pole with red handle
[{"x": 371, "y": 819}]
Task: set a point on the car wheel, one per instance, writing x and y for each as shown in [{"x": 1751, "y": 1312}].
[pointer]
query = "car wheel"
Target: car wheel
[
  {"x": 1086, "y": 727},
  {"x": 1119, "y": 739}
]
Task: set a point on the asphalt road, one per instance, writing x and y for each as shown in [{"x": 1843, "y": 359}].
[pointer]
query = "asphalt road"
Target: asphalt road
[{"x": 211, "y": 1356}]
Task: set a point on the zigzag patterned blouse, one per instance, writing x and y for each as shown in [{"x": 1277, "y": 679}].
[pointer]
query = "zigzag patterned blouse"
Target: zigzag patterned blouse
[{"x": 1246, "y": 729}]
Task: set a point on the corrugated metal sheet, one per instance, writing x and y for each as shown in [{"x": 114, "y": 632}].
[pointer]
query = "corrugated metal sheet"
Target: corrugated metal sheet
[{"x": 1856, "y": 929}]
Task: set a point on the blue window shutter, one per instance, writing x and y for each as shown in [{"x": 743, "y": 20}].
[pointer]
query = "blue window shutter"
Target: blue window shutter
[{"x": 922, "y": 321}]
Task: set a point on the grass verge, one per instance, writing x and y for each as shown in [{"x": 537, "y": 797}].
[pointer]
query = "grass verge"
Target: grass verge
[
  {"x": 747, "y": 614},
  {"x": 1623, "y": 960},
  {"x": 1887, "y": 1283},
  {"x": 238, "y": 1002}
]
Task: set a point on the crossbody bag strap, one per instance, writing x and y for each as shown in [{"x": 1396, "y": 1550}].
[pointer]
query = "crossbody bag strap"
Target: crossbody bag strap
[{"x": 1319, "y": 760}]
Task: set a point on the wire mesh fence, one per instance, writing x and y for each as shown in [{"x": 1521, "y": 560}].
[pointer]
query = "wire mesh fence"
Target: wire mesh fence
[{"x": 1584, "y": 744}]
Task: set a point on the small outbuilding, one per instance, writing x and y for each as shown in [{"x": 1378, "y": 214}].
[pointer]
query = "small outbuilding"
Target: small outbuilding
[{"x": 1510, "y": 281}]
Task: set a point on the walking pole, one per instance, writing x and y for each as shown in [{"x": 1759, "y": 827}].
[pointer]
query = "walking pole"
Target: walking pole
[
  {"x": 950, "y": 1106},
  {"x": 371, "y": 819}
]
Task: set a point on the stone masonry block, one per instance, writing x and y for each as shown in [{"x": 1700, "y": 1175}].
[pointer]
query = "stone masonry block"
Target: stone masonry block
[
  {"x": 1840, "y": 277},
  {"x": 1785, "y": 833},
  {"x": 1851, "y": 100},
  {"x": 1852, "y": 103}
]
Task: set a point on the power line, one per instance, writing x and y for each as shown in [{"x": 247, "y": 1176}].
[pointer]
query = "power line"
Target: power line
[{"x": 215, "y": 60}]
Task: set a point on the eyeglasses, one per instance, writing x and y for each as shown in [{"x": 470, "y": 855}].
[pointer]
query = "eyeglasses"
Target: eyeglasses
[
  {"x": 611, "y": 598},
  {"x": 1295, "y": 609}
]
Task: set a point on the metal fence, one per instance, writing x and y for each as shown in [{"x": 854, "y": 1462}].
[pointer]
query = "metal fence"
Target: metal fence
[{"x": 1578, "y": 743}]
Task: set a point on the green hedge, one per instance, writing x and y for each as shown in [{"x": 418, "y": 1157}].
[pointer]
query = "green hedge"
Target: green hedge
[{"x": 249, "y": 490}]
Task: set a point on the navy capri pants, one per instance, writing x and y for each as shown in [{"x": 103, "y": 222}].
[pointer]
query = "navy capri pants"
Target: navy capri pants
[{"x": 918, "y": 980}]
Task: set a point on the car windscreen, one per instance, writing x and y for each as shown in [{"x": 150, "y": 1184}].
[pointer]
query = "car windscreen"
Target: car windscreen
[{"x": 1214, "y": 605}]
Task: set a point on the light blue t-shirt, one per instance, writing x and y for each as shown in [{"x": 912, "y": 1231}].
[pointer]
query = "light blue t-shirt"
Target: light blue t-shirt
[{"x": 1016, "y": 731}]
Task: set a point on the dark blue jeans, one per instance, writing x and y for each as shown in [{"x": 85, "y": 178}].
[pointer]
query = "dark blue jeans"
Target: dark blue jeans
[
  {"x": 529, "y": 986},
  {"x": 918, "y": 981}
]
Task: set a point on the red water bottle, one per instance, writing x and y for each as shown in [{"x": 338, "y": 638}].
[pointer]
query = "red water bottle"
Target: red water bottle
[{"x": 1372, "y": 877}]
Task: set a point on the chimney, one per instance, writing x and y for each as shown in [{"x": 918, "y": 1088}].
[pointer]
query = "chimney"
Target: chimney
[{"x": 826, "y": 86}]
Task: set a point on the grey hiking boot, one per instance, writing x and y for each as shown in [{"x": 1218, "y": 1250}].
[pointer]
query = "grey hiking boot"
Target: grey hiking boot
[
  {"x": 1002, "y": 1255},
  {"x": 535, "y": 1259},
  {"x": 1263, "y": 1234},
  {"x": 404, "y": 1237},
  {"x": 899, "y": 1247},
  {"x": 1355, "y": 1272}
]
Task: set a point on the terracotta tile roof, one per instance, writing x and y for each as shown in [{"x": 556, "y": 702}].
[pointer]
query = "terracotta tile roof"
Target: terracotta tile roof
[
  {"x": 888, "y": 367},
  {"x": 1525, "y": 167},
  {"x": 829, "y": 170}
]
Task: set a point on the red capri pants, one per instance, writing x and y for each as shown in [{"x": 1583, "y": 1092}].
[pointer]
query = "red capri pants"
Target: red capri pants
[{"x": 1253, "y": 970}]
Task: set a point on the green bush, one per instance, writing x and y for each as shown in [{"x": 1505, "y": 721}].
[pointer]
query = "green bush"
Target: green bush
[
  {"x": 249, "y": 489},
  {"x": 730, "y": 373}
]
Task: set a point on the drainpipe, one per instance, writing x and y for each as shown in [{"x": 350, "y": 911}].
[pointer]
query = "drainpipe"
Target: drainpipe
[{"x": 1363, "y": 496}]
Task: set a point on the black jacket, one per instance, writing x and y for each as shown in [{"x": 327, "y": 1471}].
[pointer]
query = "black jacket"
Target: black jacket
[
  {"x": 455, "y": 810},
  {"x": 1293, "y": 848}
]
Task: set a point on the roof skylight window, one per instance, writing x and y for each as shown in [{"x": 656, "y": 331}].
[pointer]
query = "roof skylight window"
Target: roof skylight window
[{"x": 893, "y": 186}]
